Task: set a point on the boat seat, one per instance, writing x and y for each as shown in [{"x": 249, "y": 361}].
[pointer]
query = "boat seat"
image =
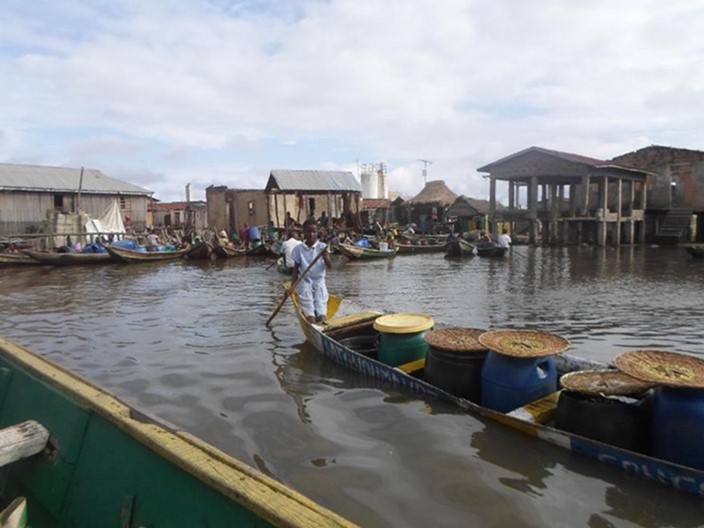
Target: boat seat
[
  {"x": 412, "y": 366},
  {"x": 337, "y": 323},
  {"x": 539, "y": 411},
  {"x": 21, "y": 441}
]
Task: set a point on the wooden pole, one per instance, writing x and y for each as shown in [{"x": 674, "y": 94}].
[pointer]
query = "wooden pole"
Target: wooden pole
[
  {"x": 287, "y": 294},
  {"x": 80, "y": 187}
]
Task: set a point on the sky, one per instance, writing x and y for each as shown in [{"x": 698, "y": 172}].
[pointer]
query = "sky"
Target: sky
[{"x": 216, "y": 92}]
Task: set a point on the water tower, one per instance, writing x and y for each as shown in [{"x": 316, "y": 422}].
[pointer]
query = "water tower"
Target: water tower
[{"x": 370, "y": 182}]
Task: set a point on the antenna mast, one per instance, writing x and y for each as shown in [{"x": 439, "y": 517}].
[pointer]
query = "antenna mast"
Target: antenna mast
[{"x": 425, "y": 169}]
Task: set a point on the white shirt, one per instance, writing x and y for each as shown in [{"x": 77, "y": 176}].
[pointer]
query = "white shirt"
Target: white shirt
[
  {"x": 287, "y": 250},
  {"x": 304, "y": 255},
  {"x": 505, "y": 240}
]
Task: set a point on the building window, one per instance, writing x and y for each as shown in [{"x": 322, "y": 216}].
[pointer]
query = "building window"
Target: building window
[
  {"x": 250, "y": 208},
  {"x": 123, "y": 203},
  {"x": 59, "y": 202}
]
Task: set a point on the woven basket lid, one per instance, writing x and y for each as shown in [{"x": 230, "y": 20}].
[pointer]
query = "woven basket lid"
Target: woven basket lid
[
  {"x": 456, "y": 339},
  {"x": 524, "y": 343},
  {"x": 604, "y": 383},
  {"x": 403, "y": 323},
  {"x": 663, "y": 368}
]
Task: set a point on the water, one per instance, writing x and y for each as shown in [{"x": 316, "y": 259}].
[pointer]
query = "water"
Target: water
[{"x": 186, "y": 341}]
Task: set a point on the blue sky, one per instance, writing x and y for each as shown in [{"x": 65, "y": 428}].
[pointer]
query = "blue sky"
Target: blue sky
[{"x": 163, "y": 93}]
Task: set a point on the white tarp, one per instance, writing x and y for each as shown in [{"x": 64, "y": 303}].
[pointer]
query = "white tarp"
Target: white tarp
[{"x": 110, "y": 222}]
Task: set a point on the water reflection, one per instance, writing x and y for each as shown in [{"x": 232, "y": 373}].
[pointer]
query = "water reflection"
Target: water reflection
[{"x": 187, "y": 342}]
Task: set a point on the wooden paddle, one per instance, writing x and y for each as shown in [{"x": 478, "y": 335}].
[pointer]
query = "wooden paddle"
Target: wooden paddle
[{"x": 295, "y": 283}]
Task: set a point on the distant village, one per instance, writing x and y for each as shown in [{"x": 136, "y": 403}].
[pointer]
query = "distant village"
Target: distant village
[{"x": 652, "y": 195}]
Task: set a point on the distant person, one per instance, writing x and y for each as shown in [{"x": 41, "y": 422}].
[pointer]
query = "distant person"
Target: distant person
[
  {"x": 505, "y": 239},
  {"x": 289, "y": 222},
  {"x": 287, "y": 249},
  {"x": 244, "y": 235},
  {"x": 324, "y": 220},
  {"x": 311, "y": 289}
]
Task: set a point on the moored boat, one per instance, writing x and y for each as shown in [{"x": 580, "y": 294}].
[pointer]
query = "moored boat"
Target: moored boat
[
  {"x": 225, "y": 252},
  {"x": 95, "y": 461},
  {"x": 135, "y": 256},
  {"x": 53, "y": 258},
  {"x": 459, "y": 248},
  {"x": 200, "y": 251},
  {"x": 16, "y": 259},
  {"x": 490, "y": 250},
  {"x": 422, "y": 246},
  {"x": 262, "y": 250},
  {"x": 337, "y": 340},
  {"x": 358, "y": 253}
]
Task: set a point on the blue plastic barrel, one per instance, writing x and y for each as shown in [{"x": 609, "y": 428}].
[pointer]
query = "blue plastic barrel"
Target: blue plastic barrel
[
  {"x": 510, "y": 382},
  {"x": 254, "y": 233},
  {"x": 127, "y": 243},
  {"x": 677, "y": 426}
]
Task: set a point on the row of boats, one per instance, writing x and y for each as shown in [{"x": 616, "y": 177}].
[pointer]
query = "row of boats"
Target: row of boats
[
  {"x": 452, "y": 248},
  {"x": 133, "y": 254}
]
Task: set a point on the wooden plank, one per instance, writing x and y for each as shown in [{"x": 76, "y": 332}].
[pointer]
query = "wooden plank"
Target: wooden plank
[
  {"x": 21, "y": 441},
  {"x": 539, "y": 411}
]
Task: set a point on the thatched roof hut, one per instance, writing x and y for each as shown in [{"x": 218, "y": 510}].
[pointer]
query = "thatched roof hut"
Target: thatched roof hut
[
  {"x": 436, "y": 193},
  {"x": 466, "y": 207}
]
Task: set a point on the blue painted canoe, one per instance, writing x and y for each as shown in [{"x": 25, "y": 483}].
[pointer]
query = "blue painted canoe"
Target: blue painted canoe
[{"x": 532, "y": 419}]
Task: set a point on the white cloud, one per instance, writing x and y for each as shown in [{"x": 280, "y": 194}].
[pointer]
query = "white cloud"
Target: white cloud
[{"x": 197, "y": 91}]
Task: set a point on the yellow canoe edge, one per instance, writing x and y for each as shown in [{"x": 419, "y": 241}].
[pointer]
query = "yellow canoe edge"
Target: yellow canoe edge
[{"x": 263, "y": 495}]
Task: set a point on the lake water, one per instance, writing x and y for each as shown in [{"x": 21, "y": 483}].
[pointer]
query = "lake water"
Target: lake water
[{"x": 186, "y": 341}]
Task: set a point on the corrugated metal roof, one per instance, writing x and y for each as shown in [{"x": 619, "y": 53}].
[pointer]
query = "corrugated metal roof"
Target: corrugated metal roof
[
  {"x": 312, "y": 180},
  {"x": 375, "y": 203},
  {"x": 62, "y": 179}
]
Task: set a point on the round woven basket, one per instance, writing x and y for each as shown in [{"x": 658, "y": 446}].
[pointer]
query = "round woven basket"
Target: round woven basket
[
  {"x": 456, "y": 339},
  {"x": 663, "y": 368},
  {"x": 524, "y": 343},
  {"x": 604, "y": 383}
]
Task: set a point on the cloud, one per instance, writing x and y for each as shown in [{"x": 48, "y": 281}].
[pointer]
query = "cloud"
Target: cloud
[{"x": 197, "y": 91}]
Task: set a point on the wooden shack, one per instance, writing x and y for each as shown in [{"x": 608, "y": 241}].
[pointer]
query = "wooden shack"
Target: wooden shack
[
  {"x": 308, "y": 193},
  {"x": 375, "y": 209},
  {"x": 606, "y": 200},
  {"x": 179, "y": 215},
  {"x": 32, "y": 197},
  {"x": 231, "y": 209}
]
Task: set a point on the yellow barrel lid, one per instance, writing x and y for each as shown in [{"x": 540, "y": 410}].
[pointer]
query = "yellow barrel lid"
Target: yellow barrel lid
[{"x": 403, "y": 323}]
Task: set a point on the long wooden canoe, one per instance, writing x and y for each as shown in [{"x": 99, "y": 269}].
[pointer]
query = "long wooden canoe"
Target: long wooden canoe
[
  {"x": 200, "y": 251},
  {"x": 413, "y": 249},
  {"x": 490, "y": 250},
  {"x": 459, "y": 248},
  {"x": 16, "y": 259},
  {"x": 106, "y": 464},
  {"x": 533, "y": 419},
  {"x": 53, "y": 258},
  {"x": 358, "y": 252},
  {"x": 132, "y": 256},
  {"x": 225, "y": 252}
]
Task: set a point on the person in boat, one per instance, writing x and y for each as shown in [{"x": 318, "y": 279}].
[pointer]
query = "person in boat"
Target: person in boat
[
  {"x": 505, "y": 239},
  {"x": 244, "y": 235},
  {"x": 324, "y": 220},
  {"x": 222, "y": 239},
  {"x": 311, "y": 289},
  {"x": 287, "y": 249},
  {"x": 152, "y": 240},
  {"x": 271, "y": 232}
]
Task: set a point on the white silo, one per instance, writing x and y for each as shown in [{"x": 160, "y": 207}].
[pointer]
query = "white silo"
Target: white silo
[
  {"x": 370, "y": 184},
  {"x": 382, "y": 184}
]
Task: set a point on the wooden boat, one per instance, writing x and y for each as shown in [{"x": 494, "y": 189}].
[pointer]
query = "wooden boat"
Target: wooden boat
[
  {"x": 132, "y": 256},
  {"x": 359, "y": 253},
  {"x": 88, "y": 459},
  {"x": 459, "y": 248},
  {"x": 430, "y": 246},
  {"x": 16, "y": 259},
  {"x": 225, "y": 252},
  {"x": 53, "y": 258},
  {"x": 262, "y": 250},
  {"x": 200, "y": 251},
  {"x": 490, "y": 250},
  {"x": 333, "y": 340},
  {"x": 696, "y": 251}
]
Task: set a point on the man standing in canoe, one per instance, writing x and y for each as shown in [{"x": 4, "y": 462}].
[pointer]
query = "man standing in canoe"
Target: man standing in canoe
[{"x": 311, "y": 289}]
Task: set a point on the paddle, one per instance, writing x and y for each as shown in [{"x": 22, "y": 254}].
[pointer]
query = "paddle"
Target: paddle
[
  {"x": 295, "y": 283},
  {"x": 270, "y": 265}
]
